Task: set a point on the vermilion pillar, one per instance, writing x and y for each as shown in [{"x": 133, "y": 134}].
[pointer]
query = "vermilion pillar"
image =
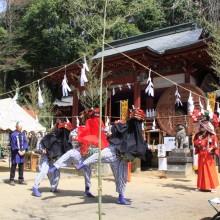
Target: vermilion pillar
[{"x": 137, "y": 95}]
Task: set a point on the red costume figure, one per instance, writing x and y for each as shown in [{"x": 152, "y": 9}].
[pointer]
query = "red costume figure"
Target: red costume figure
[
  {"x": 88, "y": 135},
  {"x": 206, "y": 145}
]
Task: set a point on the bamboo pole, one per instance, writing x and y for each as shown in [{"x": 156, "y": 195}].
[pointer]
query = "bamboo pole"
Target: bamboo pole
[{"x": 100, "y": 120}]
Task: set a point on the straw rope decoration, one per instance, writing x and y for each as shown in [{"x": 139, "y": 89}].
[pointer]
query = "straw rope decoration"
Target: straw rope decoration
[{"x": 80, "y": 58}]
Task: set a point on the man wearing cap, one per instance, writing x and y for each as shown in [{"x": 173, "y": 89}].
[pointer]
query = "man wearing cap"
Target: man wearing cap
[
  {"x": 206, "y": 145},
  {"x": 18, "y": 143}
]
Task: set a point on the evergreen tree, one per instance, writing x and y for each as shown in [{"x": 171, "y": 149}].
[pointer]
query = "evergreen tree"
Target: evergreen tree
[
  {"x": 214, "y": 52},
  {"x": 40, "y": 34},
  {"x": 56, "y": 32},
  {"x": 12, "y": 53},
  {"x": 179, "y": 11},
  {"x": 211, "y": 21}
]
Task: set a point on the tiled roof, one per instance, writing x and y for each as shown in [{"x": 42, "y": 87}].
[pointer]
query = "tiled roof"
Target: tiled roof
[{"x": 157, "y": 41}]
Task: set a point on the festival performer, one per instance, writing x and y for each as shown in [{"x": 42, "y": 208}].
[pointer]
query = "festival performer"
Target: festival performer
[
  {"x": 88, "y": 135},
  {"x": 74, "y": 156},
  {"x": 206, "y": 145},
  {"x": 51, "y": 147},
  {"x": 18, "y": 143},
  {"x": 126, "y": 143},
  {"x": 85, "y": 143}
]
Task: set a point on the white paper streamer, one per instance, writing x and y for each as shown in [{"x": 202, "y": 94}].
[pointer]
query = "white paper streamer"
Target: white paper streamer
[
  {"x": 129, "y": 85},
  {"x": 218, "y": 110},
  {"x": 40, "y": 98},
  {"x": 15, "y": 98},
  {"x": 77, "y": 122},
  {"x": 209, "y": 109},
  {"x": 85, "y": 64},
  {"x": 67, "y": 120},
  {"x": 107, "y": 126},
  {"x": 113, "y": 91},
  {"x": 85, "y": 68},
  {"x": 150, "y": 88},
  {"x": 83, "y": 78},
  {"x": 178, "y": 101},
  {"x": 190, "y": 103},
  {"x": 154, "y": 125},
  {"x": 65, "y": 86},
  {"x": 201, "y": 106},
  {"x": 107, "y": 121}
]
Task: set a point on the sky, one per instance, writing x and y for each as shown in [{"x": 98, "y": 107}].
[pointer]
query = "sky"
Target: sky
[{"x": 2, "y": 5}]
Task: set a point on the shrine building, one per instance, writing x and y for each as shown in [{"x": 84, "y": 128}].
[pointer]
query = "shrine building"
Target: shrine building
[{"x": 175, "y": 58}]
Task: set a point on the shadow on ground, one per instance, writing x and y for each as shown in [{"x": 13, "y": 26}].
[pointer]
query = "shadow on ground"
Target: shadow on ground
[
  {"x": 47, "y": 195},
  {"x": 206, "y": 218}
]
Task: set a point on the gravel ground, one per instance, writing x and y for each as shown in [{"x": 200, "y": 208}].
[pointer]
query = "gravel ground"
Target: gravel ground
[{"x": 152, "y": 197}]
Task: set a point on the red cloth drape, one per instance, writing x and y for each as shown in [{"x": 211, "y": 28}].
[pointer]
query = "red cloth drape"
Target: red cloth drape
[{"x": 89, "y": 135}]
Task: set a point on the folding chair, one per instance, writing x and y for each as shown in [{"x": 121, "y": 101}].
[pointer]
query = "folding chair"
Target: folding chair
[{"x": 216, "y": 201}]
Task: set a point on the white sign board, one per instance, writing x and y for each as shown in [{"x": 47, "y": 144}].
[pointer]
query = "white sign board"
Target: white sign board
[
  {"x": 169, "y": 142},
  {"x": 161, "y": 150},
  {"x": 162, "y": 163}
]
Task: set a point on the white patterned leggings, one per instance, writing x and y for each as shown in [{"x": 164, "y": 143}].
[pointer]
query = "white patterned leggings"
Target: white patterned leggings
[
  {"x": 119, "y": 167},
  {"x": 44, "y": 166},
  {"x": 74, "y": 156}
]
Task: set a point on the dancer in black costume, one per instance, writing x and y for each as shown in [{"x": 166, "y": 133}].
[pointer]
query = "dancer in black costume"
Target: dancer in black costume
[
  {"x": 126, "y": 143},
  {"x": 52, "y": 146}
]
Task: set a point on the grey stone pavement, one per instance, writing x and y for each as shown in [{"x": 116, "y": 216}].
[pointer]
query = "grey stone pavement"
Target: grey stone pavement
[{"x": 152, "y": 197}]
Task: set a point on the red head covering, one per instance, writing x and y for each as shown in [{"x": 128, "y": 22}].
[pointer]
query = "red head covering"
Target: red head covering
[
  {"x": 93, "y": 112},
  {"x": 66, "y": 125},
  {"x": 138, "y": 114}
]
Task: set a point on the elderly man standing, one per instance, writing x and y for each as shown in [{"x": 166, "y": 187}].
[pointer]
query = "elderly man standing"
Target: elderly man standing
[{"x": 18, "y": 145}]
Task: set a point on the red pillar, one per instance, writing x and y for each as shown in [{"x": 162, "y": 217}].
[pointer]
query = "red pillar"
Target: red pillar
[
  {"x": 188, "y": 71},
  {"x": 137, "y": 95}
]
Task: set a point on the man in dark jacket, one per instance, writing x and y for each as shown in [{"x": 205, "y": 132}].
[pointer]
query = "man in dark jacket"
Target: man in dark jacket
[{"x": 18, "y": 145}]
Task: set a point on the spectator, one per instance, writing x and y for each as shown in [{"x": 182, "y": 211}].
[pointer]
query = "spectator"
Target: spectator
[{"x": 18, "y": 145}]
